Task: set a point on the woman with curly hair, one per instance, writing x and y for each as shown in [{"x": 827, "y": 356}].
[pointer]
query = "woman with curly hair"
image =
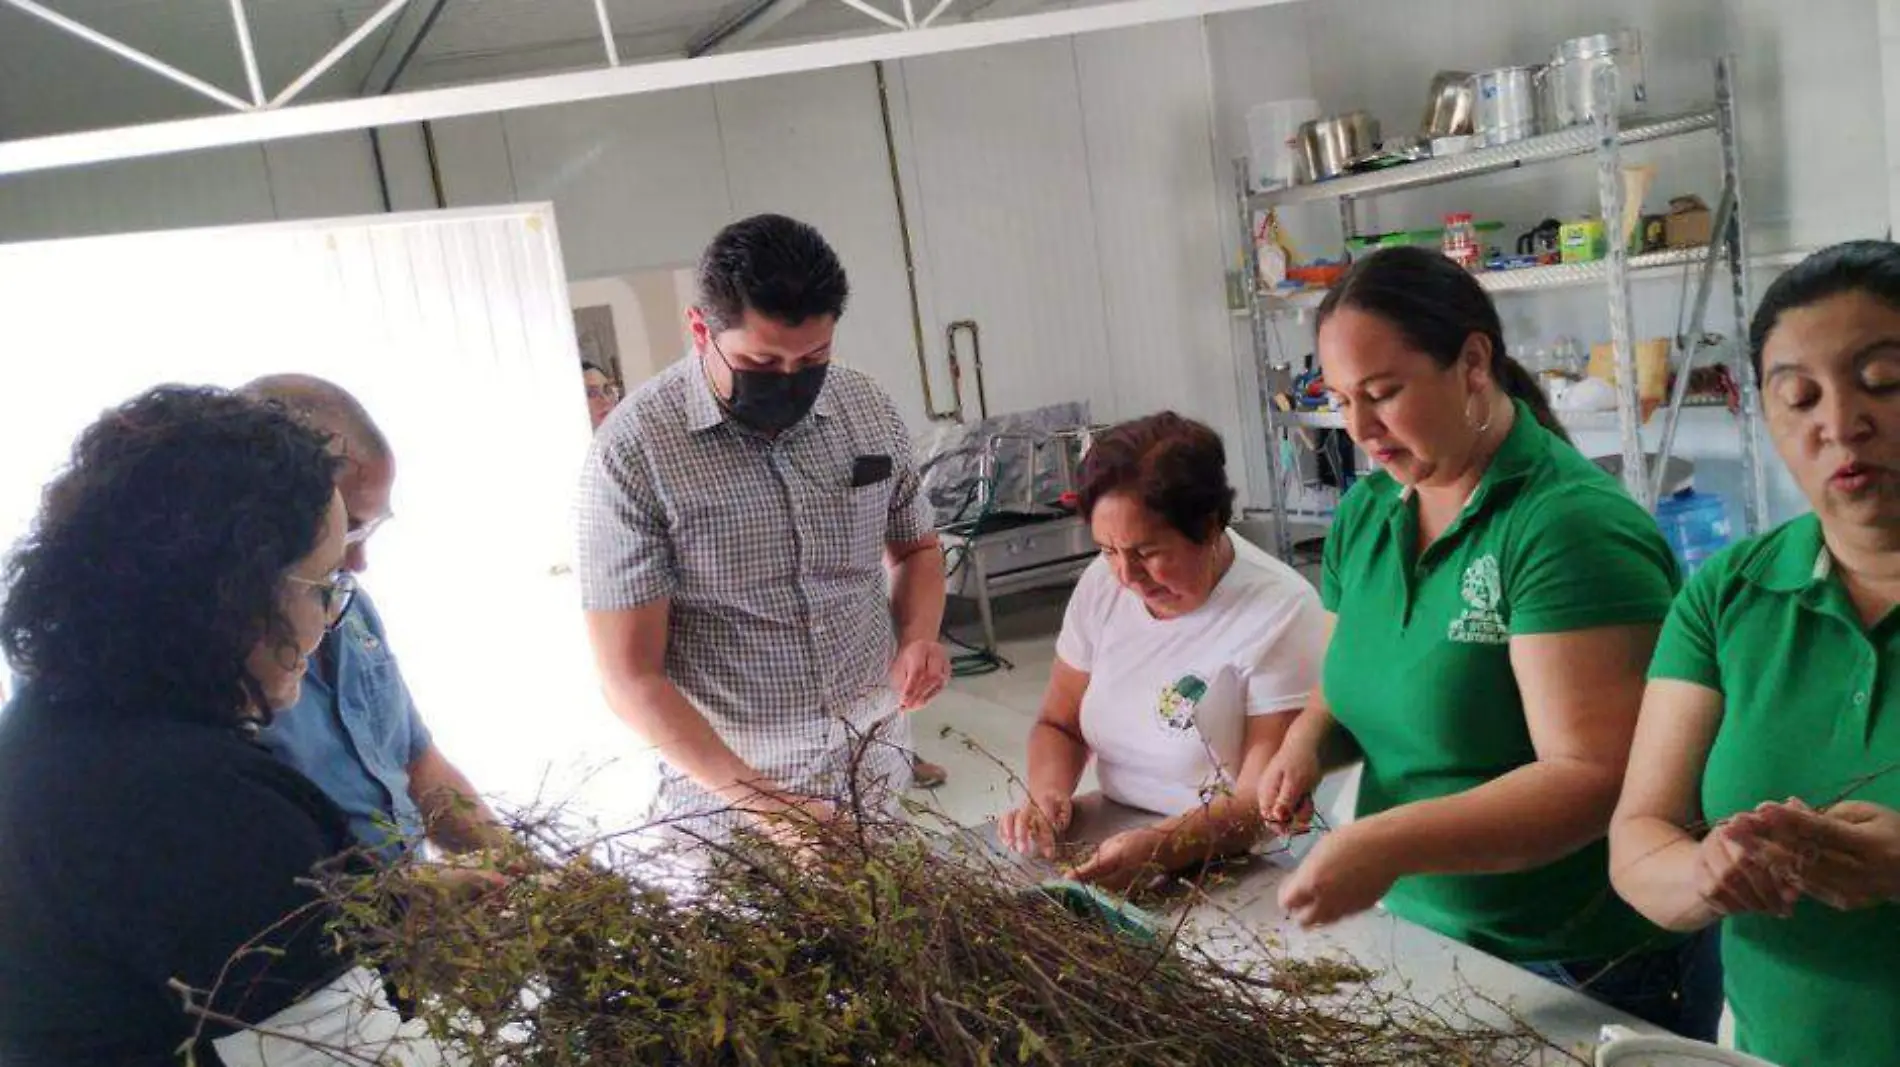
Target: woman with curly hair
[{"x": 179, "y": 572}]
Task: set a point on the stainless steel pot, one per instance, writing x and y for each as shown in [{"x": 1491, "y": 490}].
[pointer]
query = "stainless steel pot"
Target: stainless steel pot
[
  {"x": 1328, "y": 145},
  {"x": 1574, "y": 99},
  {"x": 1508, "y": 105},
  {"x": 1448, "y": 112}
]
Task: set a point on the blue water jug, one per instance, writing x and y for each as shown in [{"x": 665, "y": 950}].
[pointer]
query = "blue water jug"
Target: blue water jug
[{"x": 1695, "y": 525}]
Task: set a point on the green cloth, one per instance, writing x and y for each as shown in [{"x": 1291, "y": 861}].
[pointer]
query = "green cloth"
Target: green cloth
[
  {"x": 1805, "y": 713},
  {"x": 1419, "y": 669}
]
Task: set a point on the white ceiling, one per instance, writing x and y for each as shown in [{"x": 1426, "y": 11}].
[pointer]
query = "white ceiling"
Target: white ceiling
[{"x": 51, "y": 82}]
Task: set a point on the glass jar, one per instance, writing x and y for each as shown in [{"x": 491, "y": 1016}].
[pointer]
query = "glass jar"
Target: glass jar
[{"x": 1460, "y": 241}]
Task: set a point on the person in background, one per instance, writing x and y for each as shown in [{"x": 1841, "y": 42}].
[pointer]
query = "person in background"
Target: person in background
[
  {"x": 1181, "y": 653},
  {"x": 1763, "y": 792},
  {"x": 355, "y": 731},
  {"x": 1494, "y": 598},
  {"x": 603, "y": 393},
  {"x": 762, "y": 592},
  {"x": 158, "y": 615}
]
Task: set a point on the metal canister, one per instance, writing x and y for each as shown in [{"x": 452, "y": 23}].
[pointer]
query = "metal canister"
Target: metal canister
[
  {"x": 1508, "y": 105},
  {"x": 1448, "y": 111}
]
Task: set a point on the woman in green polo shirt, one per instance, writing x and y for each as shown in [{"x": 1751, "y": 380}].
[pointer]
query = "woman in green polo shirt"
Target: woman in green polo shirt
[
  {"x": 1767, "y": 717},
  {"x": 1495, "y": 597}
]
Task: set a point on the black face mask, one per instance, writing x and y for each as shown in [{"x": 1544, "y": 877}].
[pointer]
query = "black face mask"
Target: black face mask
[{"x": 770, "y": 402}]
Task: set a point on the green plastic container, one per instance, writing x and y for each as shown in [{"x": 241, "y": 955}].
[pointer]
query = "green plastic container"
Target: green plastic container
[
  {"x": 1088, "y": 902},
  {"x": 1399, "y": 238}
]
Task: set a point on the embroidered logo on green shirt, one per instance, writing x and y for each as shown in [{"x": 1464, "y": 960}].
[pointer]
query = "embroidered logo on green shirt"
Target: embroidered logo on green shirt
[
  {"x": 1480, "y": 623},
  {"x": 1179, "y": 700}
]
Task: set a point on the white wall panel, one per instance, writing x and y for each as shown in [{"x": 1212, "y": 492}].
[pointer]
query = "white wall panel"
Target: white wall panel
[
  {"x": 1157, "y": 224},
  {"x": 322, "y": 177},
  {"x": 646, "y": 175},
  {"x": 200, "y": 189},
  {"x": 1813, "y": 134},
  {"x": 1004, "y": 208},
  {"x": 1890, "y": 97},
  {"x": 312, "y": 177},
  {"x": 813, "y": 147},
  {"x": 473, "y": 156}
]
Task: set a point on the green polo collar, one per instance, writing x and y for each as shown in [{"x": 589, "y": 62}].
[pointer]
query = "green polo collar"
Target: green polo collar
[{"x": 1794, "y": 560}]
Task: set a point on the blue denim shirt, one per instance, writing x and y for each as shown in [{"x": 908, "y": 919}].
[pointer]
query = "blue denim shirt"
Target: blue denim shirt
[{"x": 355, "y": 732}]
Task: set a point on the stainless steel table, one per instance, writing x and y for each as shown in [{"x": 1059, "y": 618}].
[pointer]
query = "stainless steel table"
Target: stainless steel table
[{"x": 1012, "y": 553}]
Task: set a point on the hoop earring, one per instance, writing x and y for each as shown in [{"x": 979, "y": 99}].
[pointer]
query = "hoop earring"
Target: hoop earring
[{"x": 1479, "y": 430}]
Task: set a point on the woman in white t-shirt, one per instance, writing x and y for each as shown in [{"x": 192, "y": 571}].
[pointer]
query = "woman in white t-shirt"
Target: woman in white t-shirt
[{"x": 1182, "y": 649}]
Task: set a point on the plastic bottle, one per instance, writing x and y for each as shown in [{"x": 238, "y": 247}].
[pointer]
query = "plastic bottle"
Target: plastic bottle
[{"x": 1696, "y": 525}]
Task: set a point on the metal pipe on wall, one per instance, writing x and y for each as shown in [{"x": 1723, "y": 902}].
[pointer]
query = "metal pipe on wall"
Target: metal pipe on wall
[
  {"x": 382, "y": 172},
  {"x": 955, "y": 412},
  {"x": 976, "y": 360},
  {"x": 435, "y": 164}
]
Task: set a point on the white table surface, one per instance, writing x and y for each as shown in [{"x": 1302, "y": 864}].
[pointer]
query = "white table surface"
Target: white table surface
[{"x": 1241, "y": 909}]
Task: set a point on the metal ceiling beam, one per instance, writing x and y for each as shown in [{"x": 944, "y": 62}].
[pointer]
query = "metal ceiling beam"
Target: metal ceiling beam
[
  {"x": 247, "y": 50},
  {"x": 252, "y": 127},
  {"x": 127, "y": 52},
  {"x": 335, "y": 55},
  {"x": 863, "y": 7},
  {"x": 747, "y": 26},
  {"x": 399, "y": 47},
  {"x": 934, "y": 12},
  {"x": 606, "y": 33}
]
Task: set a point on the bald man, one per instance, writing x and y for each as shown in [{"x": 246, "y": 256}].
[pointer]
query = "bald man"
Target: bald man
[{"x": 355, "y": 730}]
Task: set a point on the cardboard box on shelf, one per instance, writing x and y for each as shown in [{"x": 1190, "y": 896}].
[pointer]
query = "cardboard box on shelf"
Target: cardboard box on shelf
[
  {"x": 1652, "y": 369},
  {"x": 1582, "y": 241},
  {"x": 1689, "y": 223}
]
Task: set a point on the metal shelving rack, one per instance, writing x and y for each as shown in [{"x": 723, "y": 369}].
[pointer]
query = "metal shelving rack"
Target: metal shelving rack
[{"x": 1605, "y": 139}]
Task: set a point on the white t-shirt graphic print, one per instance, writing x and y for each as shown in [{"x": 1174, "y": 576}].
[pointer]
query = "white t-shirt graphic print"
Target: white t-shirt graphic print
[{"x": 1167, "y": 702}]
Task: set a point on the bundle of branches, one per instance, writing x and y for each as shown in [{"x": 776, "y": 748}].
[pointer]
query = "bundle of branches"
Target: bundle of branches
[{"x": 870, "y": 944}]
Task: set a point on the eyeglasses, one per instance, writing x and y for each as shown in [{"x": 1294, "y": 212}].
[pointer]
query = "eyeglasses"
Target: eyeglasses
[
  {"x": 603, "y": 392},
  {"x": 358, "y": 534},
  {"x": 336, "y": 595}
]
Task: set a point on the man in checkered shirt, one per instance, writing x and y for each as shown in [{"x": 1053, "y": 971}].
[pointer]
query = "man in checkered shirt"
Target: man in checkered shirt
[{"x": 762, "y": 590}]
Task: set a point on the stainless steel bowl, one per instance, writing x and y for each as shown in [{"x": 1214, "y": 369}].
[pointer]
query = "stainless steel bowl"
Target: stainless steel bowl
[{"x": 1329, "y": 145}]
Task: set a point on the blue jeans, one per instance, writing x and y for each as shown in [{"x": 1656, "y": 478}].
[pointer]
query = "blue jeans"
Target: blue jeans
[{"x": 1678, "y": 989}]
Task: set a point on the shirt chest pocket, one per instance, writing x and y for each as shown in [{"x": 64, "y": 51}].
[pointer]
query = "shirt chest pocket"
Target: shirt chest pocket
[
  {"x": 841, "y": 530},
  {"x": 867, "y": 515},
  {"x": 373, "y": 701}
]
